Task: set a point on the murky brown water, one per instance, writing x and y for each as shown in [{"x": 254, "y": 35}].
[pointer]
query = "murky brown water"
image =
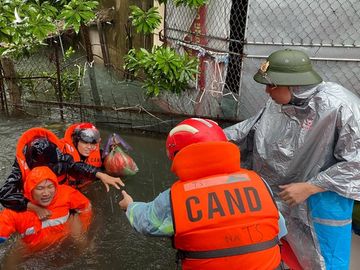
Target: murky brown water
[{"x": 114, "y": 245}]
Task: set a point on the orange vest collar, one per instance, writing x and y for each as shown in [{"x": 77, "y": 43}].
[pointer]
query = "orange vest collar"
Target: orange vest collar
[{"x": 204, "y": 159}]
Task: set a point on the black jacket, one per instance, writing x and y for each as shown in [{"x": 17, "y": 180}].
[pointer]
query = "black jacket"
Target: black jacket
[{"x": 12, "y": 192}]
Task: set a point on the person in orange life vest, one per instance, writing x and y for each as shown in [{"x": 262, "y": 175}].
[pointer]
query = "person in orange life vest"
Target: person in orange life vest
[
  {"x": 40, "y": 147},
  {"x": 219, "y": 215},
  {"x": 82, "y": 142},
  {"x": 41, "y": 188}
]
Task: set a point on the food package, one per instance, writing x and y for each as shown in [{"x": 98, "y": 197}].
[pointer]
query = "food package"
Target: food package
[{"x": 117, "y": 162}]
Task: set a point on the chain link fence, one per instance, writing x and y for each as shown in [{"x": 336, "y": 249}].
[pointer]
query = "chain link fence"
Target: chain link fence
[
  {"x": 246, "y": 32},
  {"x": 56, "y": 87},
  {"x": 45, "y": 75},
  {"x": 230, "y": 38}
]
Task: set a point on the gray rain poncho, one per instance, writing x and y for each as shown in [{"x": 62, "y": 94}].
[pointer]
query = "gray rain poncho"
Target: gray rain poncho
[{"x": 315, "y": 139}]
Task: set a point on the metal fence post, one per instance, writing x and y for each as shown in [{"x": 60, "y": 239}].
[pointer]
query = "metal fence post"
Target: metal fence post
[{"x": 58, "y": 78}]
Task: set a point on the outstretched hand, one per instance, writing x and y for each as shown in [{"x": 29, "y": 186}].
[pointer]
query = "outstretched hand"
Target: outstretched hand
[
  {"x": 109, "y": 180},
  {"x": 295, "y": 193},
  {"x": 127, "y": 199}
]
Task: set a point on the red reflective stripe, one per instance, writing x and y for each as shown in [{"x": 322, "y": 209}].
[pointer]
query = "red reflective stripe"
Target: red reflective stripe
[{"x": 214, "y": 181}]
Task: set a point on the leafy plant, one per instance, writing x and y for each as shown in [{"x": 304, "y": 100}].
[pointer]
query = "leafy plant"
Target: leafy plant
[
  {"x": 190, "y": 3},
  {"x": 164, "y": 68},
  {"x": 70, "y": 79},
  {"x": 145, "y": 21},
  {"x": 26, "y": 24},
  {"x": 78, "y": 12},
  {"x": 70, "y": 83},
  {"x": 68, "y": 53}
]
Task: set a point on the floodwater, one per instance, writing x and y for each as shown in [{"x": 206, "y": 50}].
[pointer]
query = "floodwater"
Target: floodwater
[{"x": 114, "y": 244}]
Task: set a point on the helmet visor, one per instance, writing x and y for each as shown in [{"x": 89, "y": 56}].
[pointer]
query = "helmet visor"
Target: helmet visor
[{"x": 89, "y": 135}]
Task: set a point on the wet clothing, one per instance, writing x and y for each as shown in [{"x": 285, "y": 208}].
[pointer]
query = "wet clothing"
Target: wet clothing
[
  {"x": 11, "y": 193},
  {"x": 227, "y": 204},
  {"x": 155, "y": 217},
  {"x": 37, "y": 234},
  {"x": 94, "y": 159},
  {"x": 46, "y": 145},
  {"x": 314, "y": 139}
]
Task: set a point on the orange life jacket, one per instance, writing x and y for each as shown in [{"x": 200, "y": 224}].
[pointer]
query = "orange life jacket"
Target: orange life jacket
[
  {"x": 94, "y": 159},
  {"x": 37, "y": 234},
  {"x": 26, "y": 138},
  {"x": 226, "y": 220}
]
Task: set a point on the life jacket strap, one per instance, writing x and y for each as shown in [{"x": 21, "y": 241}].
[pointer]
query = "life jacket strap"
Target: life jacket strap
[{"x": 183, "y": 254}]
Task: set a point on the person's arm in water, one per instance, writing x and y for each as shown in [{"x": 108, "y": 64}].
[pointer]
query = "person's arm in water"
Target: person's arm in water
[
  {"x": 83, "y": 212},
  {"x": 152, "y": 218}
]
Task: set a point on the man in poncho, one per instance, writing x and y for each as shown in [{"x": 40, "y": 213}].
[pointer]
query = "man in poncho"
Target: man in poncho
[{"x": 305, "y": 143}]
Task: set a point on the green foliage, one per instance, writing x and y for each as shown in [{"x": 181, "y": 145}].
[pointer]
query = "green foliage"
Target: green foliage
[
  {"x": 165, "y": 70},
  {"x": 25, "y": 24},
  {"x": 78, "y": 12},
  {"x": 190, "y": 3},
  {"x": 68, "y": 53},
  {"x": 70, "y": 83},
  {"x": 145, "y": 21},
  {"x": 70, "y": 79}
]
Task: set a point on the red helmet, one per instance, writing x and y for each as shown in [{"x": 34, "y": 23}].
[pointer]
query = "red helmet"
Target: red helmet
[{"x": 193, "y": 130}]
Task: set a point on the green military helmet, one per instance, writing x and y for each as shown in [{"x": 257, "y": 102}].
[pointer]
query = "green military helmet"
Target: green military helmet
[{"x": 287, "y": 68}]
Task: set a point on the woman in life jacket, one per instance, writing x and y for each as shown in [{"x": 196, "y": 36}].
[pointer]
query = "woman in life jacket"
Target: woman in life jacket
[
  {"x": 82, "y": 142},
  {"x": 41, "y": 147}
]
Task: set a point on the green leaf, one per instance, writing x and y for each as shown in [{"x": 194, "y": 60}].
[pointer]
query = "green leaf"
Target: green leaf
[{"x": 164, "y": 68}]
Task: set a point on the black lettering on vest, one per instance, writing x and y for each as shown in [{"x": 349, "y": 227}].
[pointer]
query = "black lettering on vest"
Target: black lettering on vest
[
  {"x": 231, "y": 238},
  {"x": 260, "y": 235},
  {"x": 214, "y": 205},
  {"x": 252, "y": 233},
  {"x": 237, "y": 201},
  {"x": 188, "y": 209},
  {"x": 255, "y": 204}
]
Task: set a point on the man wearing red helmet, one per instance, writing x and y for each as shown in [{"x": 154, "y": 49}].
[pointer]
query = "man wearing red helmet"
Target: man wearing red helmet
[{"x": 219, "y": 215}]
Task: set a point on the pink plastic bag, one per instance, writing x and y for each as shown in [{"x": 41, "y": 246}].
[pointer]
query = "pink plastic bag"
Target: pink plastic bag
[{"x": 117, "y": 162}]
